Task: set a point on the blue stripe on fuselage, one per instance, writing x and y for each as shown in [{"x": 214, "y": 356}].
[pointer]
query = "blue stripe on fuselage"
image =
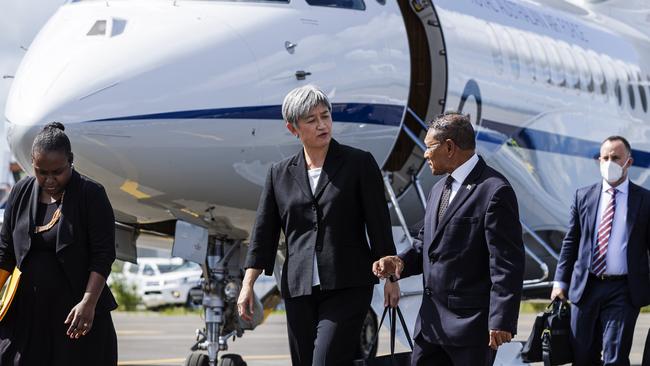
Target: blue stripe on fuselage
[
  {"x": 528, "y": 138},
  {"x": 391, "y": 115},
  {"x": 376, "y": 114}
]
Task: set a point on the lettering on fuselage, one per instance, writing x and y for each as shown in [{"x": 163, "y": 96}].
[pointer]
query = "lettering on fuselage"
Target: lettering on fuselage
[{"x": 532, "y": 17}]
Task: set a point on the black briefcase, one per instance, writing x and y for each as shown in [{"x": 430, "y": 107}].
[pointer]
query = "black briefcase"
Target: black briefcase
[
  {"x": 550, "y": 339},
  {"x": 393, "y": 359}
]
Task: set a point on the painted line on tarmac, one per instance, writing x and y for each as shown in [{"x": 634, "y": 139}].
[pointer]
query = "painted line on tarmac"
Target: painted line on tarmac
[
  {"x": 151, "y": 362},
  {"x": 138, "y": 332},
  {"x": 267, "y": 357},
  {"x": 177, "y": 360}
]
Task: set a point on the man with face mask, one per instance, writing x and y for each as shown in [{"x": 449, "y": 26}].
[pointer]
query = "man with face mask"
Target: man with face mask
[{"x": 604, "y": 260}]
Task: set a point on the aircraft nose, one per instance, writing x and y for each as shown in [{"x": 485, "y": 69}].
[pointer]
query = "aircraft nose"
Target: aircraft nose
[{"x": 88, "y": 64}]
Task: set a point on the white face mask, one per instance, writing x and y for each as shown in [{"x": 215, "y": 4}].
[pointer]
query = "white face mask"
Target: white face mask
[{"x": 611, "y": 172}]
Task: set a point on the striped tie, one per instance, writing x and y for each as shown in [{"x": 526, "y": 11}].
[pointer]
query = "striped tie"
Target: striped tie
[
  {"x": 599, "y": 264},
  {"x": 444, "y": 198}
]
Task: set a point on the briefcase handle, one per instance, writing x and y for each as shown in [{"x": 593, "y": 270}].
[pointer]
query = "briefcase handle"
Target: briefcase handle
[
  {"x": 392, "y": 319},
  {"x": 558, "y": 306}
]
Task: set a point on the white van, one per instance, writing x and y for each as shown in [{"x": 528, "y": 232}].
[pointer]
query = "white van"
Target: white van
[{"x": 162, "y": 281}]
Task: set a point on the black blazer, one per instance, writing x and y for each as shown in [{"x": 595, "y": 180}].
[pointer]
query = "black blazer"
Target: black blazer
[
  {"x": 85, "y": 238},
  {"x": 332, "y": 222},
  {"x": 472, "y": 261},
  {"x": 577, "y": 247}
]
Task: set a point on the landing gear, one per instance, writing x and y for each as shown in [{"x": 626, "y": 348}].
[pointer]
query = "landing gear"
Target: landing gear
[{"x": 221, "y": 284}]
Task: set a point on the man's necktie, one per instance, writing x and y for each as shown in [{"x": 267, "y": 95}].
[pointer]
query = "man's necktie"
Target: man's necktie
[
  {"x": 599, "y": 263},
  {"x": 444, "y": 199}
]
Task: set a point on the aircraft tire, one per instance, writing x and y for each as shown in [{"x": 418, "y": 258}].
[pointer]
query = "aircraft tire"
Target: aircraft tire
[
  {"x": 232, "y": 360},
  {"x": 197, "y": 359}
]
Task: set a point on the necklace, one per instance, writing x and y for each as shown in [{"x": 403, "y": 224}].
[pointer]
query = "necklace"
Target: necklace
[{"x": 53, "y": 221}]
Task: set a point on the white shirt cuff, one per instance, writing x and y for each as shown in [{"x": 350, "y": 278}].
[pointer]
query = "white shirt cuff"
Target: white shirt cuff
[{"x": 560, "y": 284}]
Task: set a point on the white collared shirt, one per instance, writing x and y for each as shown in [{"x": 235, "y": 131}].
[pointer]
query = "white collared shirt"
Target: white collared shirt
[
  {"x": 460, "y": 174},
  {"x": 617, "y": 246},
  {"x": 314, "y": 175}
]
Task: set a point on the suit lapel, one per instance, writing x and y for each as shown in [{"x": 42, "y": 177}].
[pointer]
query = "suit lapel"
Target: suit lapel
[
  {"x": 331, "y": 166},
  {"x": 633, "y": 205},
  {"x": 592, "y": 210},
  {"x": 33, "y": 206},
  {"x": 466, "y": 189},
  {"x": 64, "y": 234},
  {"x": 298, "y": 170}
]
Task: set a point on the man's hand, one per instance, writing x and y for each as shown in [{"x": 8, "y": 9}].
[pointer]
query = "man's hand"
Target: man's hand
[
  {"x": 499, "y": 337},
  {"x": 387, "y": 266},
  {"x": 558, "y": 292},
  {"x": 391, "y": 294}
]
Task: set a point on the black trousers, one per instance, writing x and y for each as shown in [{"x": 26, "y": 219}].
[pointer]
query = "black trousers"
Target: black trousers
[{"x": 325, "y": 327}]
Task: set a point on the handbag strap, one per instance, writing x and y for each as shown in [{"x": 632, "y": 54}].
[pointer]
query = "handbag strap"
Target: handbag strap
[
  {"x": 392, "y": 320},
  {"x": 406, "y": 330}
]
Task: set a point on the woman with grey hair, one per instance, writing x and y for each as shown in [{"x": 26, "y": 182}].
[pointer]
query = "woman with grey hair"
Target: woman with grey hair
[{"x": 323, "y": 199}]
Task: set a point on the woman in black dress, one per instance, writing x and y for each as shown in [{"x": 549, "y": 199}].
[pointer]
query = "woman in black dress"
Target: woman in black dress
[{"x": 59, "y": 231}]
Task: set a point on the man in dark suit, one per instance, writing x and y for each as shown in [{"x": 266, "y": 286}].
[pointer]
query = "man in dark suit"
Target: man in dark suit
[
  {"x": 470, "y": 252},
  {"x": 604, "y": 260}
]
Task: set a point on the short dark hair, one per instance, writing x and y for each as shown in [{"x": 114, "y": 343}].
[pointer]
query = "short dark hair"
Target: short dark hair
[
  {"x": 52, "y": 138},
  {"x": 621, "y": 139},
  {"x": 456, "y": 127}
]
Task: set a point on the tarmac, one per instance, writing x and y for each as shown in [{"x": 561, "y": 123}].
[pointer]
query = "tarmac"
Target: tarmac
[{"x": 156, "y": 339}]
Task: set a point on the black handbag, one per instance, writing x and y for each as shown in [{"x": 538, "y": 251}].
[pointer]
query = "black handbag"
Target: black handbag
[
  {"x": 550, "y": 339},
  {"x": 394, "y": 359}
]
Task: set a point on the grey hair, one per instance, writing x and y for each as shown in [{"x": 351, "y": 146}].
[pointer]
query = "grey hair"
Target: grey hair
[
  {"x": 301, "y": 100},
  {"x": 455, "y": 127}
]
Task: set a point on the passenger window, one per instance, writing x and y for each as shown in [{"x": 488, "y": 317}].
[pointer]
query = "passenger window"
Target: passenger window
[
  {"x": 597, "y": 74},
  {"x": 510, "y": 50},
  {"x": 497, "y": 56},
  {"x": 526, "y": 54},
  {"x": 345, "y": 4},
  {"x": 623, "y": 79},
  {"x": 642, "y": 95},
  {"x": 133, "y": 268},
  {"x": 557, "y": 71},
  {"x": 569, "y": 62},
  {"x": 618, "y": 93},
  {"x": 610, "y": 76},
  {"x": 542, "y": 69},
  {"x": 648, "y": 83},
  {"x": 584, "y": 71}
]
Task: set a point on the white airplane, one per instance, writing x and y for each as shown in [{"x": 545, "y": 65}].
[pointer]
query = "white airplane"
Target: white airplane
[{"x": 175, "y": 107}]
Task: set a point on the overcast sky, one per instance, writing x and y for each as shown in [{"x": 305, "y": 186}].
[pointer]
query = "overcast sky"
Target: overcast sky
[{"x": 20, "y": 21}]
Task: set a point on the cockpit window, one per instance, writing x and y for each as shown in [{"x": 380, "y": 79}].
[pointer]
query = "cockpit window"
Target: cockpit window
[{"x": 345, "y": 4}]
